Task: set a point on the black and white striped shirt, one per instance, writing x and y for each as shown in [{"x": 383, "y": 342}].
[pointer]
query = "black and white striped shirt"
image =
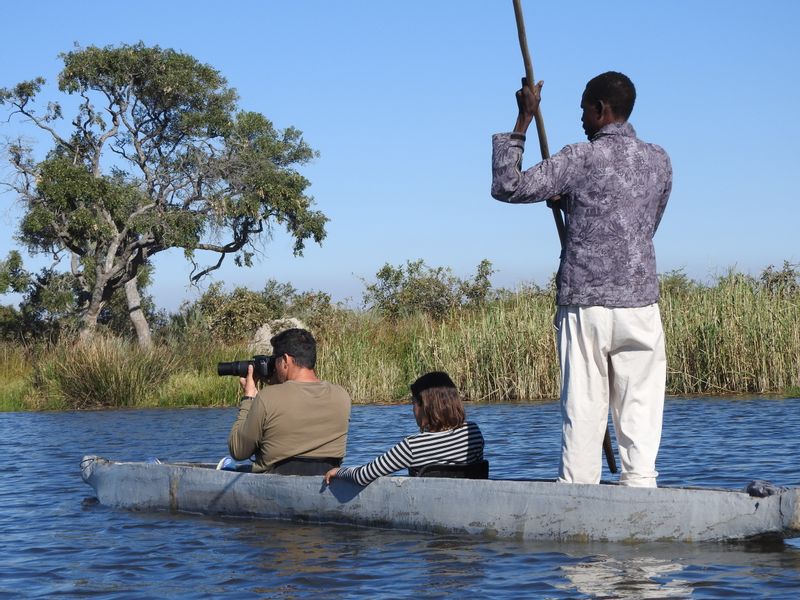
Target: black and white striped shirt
[{"x": 458, "y": 446}]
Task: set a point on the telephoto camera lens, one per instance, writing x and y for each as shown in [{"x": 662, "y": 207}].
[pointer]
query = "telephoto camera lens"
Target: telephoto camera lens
[{"x": 237, "y": 368}]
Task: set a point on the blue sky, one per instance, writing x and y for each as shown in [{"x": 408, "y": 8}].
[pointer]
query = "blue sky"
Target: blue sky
[{"x": 401, "y": 99}]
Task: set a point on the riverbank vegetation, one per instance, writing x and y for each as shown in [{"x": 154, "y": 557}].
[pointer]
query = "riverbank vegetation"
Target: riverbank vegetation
[{"x": 739, "y": 334}]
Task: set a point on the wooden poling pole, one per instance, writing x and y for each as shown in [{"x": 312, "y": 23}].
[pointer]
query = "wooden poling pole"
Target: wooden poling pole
[
  {"x": 608, "y": 449},
  {"x": 526, "y": 59}
]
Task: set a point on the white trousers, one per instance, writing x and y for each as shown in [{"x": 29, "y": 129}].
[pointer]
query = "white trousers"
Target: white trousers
[{"x": 611, "y": 357}]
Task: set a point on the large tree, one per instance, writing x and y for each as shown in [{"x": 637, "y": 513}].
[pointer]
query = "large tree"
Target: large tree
[{"x": 157, "y": 156}]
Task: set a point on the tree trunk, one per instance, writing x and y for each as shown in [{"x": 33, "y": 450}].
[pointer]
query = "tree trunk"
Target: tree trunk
[
  {"x": 89, "y": 322},
  {"x": 137, "y": 314}
]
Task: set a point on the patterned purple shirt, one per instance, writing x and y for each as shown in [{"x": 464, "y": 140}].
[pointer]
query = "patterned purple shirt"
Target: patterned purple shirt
[{"x": 613, "y": 192}]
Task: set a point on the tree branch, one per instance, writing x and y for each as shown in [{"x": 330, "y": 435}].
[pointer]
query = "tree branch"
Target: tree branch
[{"x": 40, "y": 123}]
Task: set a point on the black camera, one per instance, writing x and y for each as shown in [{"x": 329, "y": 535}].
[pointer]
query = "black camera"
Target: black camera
[{"x": 263, "y": 367}]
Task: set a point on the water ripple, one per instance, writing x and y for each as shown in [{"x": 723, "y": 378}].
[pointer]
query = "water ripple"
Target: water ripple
[{"x": 57, "y": 542}]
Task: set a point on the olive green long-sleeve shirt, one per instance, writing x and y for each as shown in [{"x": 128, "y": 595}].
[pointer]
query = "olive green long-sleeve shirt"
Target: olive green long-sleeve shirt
[{"x": 291, "y": 419}]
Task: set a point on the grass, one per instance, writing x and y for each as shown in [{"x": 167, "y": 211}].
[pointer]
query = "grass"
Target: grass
[
  {"x": 15, "y": 371},
  {"x": 732, "y": 338},
  {"x": 373, "y": 359},
  {"x": 502, "y": 352},
  {"x": 107, "y": 372},
  {"x": 12, "y": 395},
  {"x": 194, "y": 389},
  {"x": 736, "y": 337}
]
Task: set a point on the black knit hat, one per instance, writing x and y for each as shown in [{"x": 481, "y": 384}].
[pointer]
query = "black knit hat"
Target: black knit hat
[{"x": 430, "y": 380}]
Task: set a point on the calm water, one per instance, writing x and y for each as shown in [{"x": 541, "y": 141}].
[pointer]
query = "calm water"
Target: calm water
[{"x": 56, "y": 542}]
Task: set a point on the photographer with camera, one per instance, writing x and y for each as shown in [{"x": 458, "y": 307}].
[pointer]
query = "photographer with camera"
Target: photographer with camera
[{"x": 296, "y": 424}]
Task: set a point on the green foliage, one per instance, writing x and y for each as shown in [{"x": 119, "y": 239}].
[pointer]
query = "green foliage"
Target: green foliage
[
  {"x": 278, "y": 297},
  {"x": 234, "y": 316},
  {"x": 316, "y": 310},
  {"x": 783, "y": 282},
  {"x": 13, "y": 277},
  {"x": 418, "y": 289},
  {"x": 174, "y": 94},
  {"x": 677, "y": 283},
  {"x": 47, "y": 310},
  {"x": 69, "y": 203},
  {"x": 11, "y": 323},
  {"x": 157, "y": 156}
]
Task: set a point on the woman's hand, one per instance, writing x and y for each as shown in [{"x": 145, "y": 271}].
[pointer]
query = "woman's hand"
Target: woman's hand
[{"x": 330, "y": 475}]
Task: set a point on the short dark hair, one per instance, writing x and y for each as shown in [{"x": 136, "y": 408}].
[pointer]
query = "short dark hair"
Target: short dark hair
[
  {"x": 431, "y": 380},
  {"x": 615, "y": 89},
  {"x": 440, "y": 401},
  {"x": 297, "y": 343}
]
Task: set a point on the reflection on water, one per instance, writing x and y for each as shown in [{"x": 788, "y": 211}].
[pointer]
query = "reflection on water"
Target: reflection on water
[
  {"x": 56, "y": 542},
  {"x": 641, "y": 577}
]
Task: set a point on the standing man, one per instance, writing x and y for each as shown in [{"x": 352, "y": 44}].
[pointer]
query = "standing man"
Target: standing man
[
  {"x": 613, "y": 191},
  {"x": 296, "y": 424}
]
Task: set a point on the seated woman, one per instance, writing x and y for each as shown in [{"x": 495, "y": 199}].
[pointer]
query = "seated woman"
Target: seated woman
[{"x": 445, "y": 437}]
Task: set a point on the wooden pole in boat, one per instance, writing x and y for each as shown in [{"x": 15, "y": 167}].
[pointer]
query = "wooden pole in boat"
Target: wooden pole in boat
[
  {"x": 537, "y": 116},
  {"x": 608, "y": 450}
]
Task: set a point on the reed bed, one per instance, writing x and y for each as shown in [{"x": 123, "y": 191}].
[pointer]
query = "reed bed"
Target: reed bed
[
  {"x": 194, "y": 380},
  {"x": 16, "y": 367},
  {"x": 106, "y": 372},
  {"x": 737, "y": 336},
  {"x": 372, "y": 358},
  {"x": 731, "y": 338},
  {"x": 14, "y": 361},
  {"x": 503, "y": 352}
]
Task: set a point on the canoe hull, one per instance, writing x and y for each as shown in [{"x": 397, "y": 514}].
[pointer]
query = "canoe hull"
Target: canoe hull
[{"x": 529, "y": 510}]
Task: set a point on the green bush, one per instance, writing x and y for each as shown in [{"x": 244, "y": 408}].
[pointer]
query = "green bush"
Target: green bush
[
  {"x": 234, "y": 316},
  {"x": 416, "y": 289},
  {"x": 104, "y": 372}
]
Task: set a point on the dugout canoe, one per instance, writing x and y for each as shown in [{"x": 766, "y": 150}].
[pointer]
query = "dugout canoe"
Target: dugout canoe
[{"x": 529, "y": 510}]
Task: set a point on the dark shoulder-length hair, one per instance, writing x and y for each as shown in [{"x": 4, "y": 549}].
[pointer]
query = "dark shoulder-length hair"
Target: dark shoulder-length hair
[{"x": 442, "y": 407}]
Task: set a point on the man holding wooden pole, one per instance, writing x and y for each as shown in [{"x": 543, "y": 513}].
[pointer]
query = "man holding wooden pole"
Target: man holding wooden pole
[{"x": 613, "y": 191}]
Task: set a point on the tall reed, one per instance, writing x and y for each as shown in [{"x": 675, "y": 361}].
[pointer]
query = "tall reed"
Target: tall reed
[
  {"x": 194, "y": 381},
  {"x": 373, "y": 358},
  {"x": 105, "y": 372},
  {"x": 14, "y": 361},
  {"x": 734, "y": 337},
  {"x": 737, "y": 336},
  {"x": 16, "y": 367},
  {"x": 501, "y": 352}
]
